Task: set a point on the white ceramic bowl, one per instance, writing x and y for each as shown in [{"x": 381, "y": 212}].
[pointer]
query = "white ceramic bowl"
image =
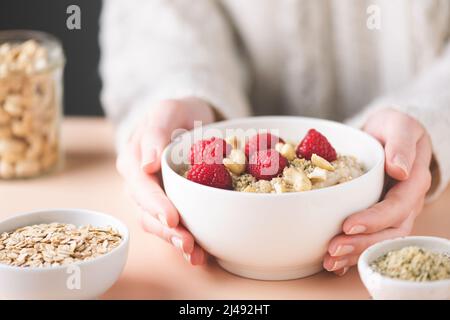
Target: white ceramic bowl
[
  {"x": 273, "y": 236},
  {"x": 96, "y": 275},
  {"x": 385, "y": 288}
]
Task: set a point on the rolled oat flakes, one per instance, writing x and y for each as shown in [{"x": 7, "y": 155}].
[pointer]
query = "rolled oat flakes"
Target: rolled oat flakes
[{"x": 55, "y": 244}]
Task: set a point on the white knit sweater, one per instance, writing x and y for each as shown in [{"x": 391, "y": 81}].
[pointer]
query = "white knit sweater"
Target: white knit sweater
[{"x": 298, "y": 57}]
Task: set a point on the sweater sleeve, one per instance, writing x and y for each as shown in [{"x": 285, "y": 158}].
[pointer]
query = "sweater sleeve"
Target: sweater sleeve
[
  {"x": 427, "y": 99},
  {"x": 159, "y": 49}
]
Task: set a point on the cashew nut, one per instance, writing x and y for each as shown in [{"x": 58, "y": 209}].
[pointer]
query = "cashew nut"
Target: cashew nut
[
  {"x": 235, "y": 161},
  {"x": 321, "y": 162}
]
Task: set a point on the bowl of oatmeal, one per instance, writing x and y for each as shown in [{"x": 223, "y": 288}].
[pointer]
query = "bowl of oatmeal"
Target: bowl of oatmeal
[
  {"x": 61, "y": 254},
  {"x": 407, "y": 268},
  {"x": 265, "y": 195}
]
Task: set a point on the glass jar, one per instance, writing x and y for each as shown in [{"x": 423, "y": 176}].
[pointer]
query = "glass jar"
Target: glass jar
[{"x": 31, "y": 90}]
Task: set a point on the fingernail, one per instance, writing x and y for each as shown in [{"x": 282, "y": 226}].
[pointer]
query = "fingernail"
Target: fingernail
[
  {"x": 187, "y": 257},
  {"x": 177, "y": 242},
  {"x": 148, "y": 158},
  {"x": 339, "y": 264},
  {"x": 163, "y": 219},
  {"x": 343, "y": 250},
  {"x": 357, "y": 229},
  {"x": 400, "y": 162},
  {"x": 342, "y": 272}
]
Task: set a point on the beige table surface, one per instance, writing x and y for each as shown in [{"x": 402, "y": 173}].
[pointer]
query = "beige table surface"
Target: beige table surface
[{"x": 154, "y": 269}]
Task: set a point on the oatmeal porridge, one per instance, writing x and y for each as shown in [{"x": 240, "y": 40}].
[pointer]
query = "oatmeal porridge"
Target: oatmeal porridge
[{"x": 268, "y": 164}]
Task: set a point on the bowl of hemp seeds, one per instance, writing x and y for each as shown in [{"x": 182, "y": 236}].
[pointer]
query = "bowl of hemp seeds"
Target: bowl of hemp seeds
[
  {"x": 407, "y": 268},
  {"x": 61, "y": 254}
]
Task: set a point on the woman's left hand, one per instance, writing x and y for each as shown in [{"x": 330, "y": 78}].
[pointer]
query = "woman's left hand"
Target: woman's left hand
[{"x": 408, "y": 154}]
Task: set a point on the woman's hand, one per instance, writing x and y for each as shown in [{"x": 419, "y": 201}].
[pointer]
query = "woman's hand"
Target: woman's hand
[
  {"x": 140, "y": 162},
  {"x": 408, "y": 154}
]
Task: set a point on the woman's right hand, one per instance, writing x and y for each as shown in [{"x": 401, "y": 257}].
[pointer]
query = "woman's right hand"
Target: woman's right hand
[{"x": 139, "y": 164}]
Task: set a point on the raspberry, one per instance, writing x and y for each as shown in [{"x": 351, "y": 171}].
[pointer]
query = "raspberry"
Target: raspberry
[
  {"x": 266, "y": 164},
  {"x": 315, "y": 142},
  {"x": 213, "y": 175},
  {"x": 261, "y": 141},
  {"x": 209, "y": 151}
]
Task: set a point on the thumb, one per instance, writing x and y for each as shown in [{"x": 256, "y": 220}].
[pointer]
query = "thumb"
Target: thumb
[
  {"x": 167, "y": 117},
  {"x": 400, "y": 155},
  {"x": 153, "y": 142},
  {"x": 399, "y": 133}
]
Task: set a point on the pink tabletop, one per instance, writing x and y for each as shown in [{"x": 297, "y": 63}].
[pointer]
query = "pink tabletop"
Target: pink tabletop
[{"x": 155, "y": 270}]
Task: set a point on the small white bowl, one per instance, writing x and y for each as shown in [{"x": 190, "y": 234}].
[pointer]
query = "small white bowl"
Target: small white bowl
[
  {"x": 384, "y": 288},
  {"x": 96, "y": 275},
  {"x": 273, "y": 236}
]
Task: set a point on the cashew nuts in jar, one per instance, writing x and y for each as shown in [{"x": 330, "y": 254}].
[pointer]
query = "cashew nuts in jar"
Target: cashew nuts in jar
[{"x": 31, "y": 65}]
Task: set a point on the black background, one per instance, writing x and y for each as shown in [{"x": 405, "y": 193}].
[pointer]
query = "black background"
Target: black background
[
  {"x": 278, "y": 309},
  {"x": 82, "y": 82}
]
